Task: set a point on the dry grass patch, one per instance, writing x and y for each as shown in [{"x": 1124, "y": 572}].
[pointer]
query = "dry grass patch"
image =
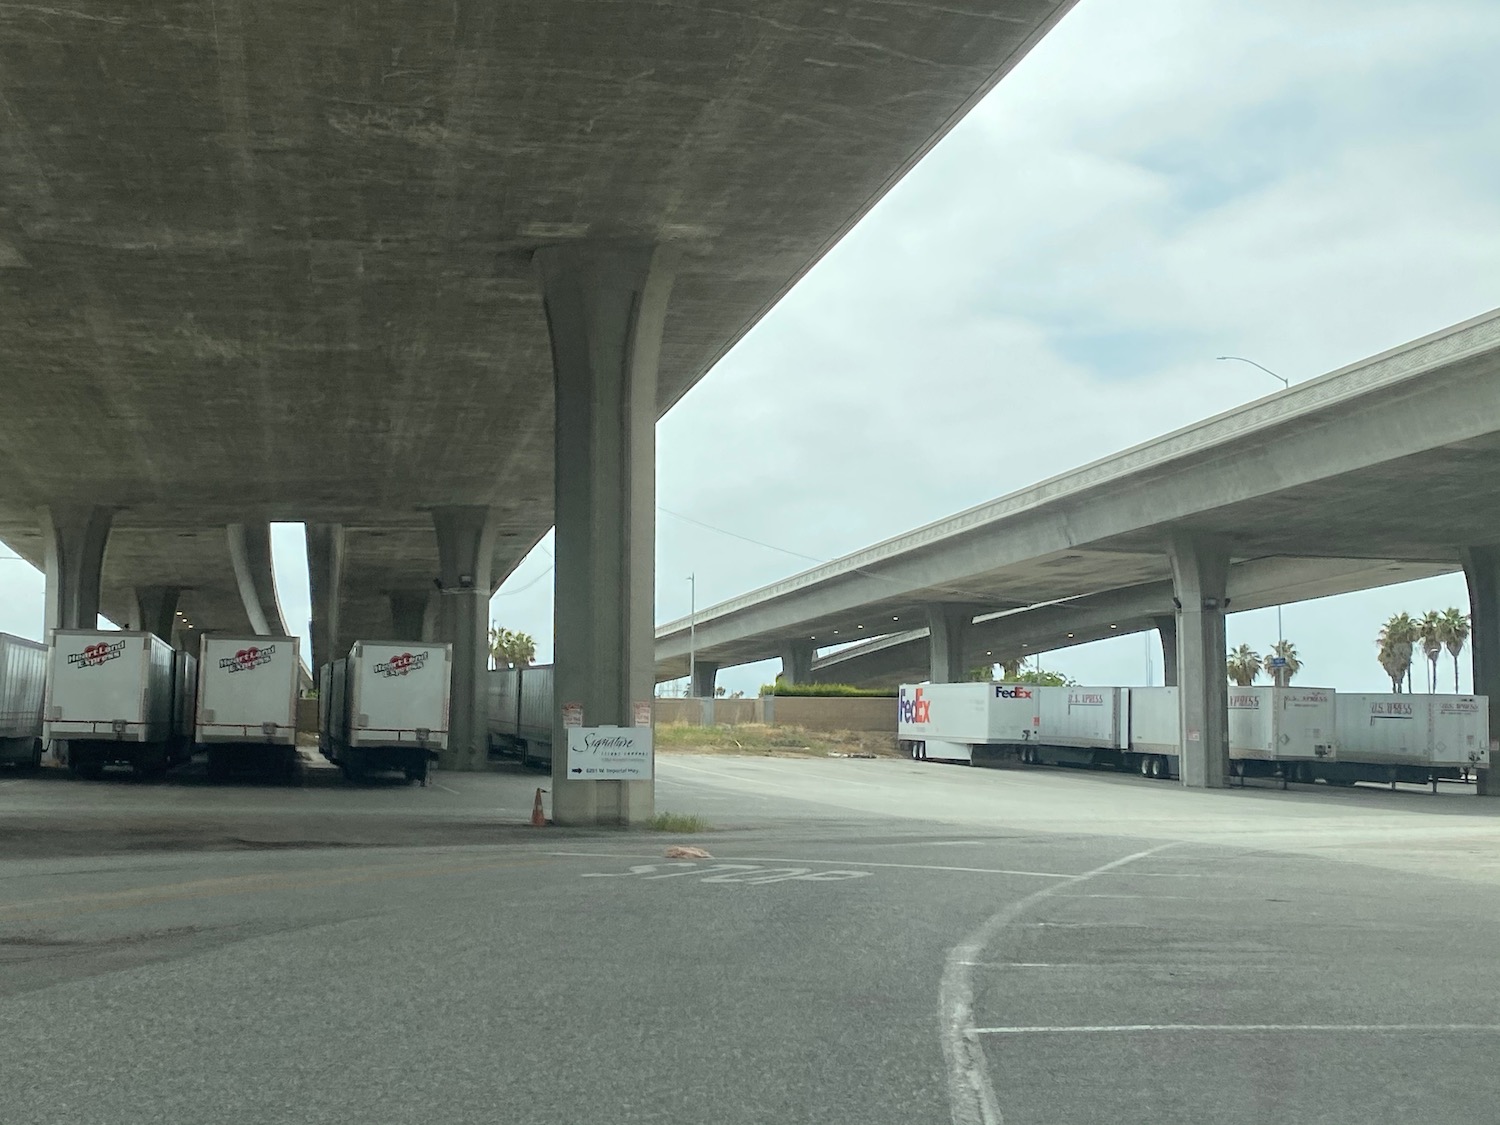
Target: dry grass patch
[{"x": 763, "y": 740}]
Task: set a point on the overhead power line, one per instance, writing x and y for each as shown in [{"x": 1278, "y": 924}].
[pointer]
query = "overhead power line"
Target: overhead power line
[{"x": 741, "y": 538}]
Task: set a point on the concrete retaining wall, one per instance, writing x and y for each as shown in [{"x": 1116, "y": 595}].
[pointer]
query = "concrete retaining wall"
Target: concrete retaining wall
[
  {"x": 833, "y": 713},
  {"x": 811, "y": 712},
  {"x": 709, "y": 712}
]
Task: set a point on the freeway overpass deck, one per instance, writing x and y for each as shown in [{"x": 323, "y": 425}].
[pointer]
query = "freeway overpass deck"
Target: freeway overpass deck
[
  {"x": 409, "y": 274},
  {"x": 1381, "y": 471}
]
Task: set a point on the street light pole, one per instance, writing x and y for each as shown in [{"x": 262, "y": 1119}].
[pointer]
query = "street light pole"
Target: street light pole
[
  {"x": 693, "y": 634},
  {"x": 1286, "y": 383}
]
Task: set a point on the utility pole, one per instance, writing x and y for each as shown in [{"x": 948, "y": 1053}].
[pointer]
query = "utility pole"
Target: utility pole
[{"x": 693, "y": 634}]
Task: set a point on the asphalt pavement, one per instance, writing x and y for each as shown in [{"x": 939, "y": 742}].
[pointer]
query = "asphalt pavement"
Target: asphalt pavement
[{"x": 871, "y": 942}]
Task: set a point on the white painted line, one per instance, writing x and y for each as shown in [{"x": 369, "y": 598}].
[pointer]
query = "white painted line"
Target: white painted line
[
  {"x": 445, "y": 789},
  {"x": 971, "y": 1097},
  {"x": 843, "y": 863},
  {"x": 1361, "y": 1028}
]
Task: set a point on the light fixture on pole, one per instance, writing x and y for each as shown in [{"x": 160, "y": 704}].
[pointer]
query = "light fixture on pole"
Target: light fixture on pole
[
  {"x": 693, "y": 634},
  {"x": 1285, "y": 382}
]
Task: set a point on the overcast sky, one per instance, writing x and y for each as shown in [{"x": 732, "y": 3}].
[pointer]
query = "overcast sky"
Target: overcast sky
[{"x": 1158, "y": 183}]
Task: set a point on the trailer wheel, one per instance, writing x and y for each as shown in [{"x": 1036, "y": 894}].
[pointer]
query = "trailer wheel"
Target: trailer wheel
[
  {"x": 1158, "y": 767},
  {"x": 1145, "y": 765}
]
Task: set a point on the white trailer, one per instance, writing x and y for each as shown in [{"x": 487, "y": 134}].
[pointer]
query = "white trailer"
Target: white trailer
[
  {"x": 520, "y": 713},
  {"x": 1281, "y": 731},
  {"x": 1155, "y": 732},
  {"x": 1415, "y": 739},
  {"x": 387, "y": 708},
  {"x": 247, "y": 704},
  {"x": 946, "y": 722},
  {"x": 23, "y": 687},
  {"x": 1077, "y": 726},
  {"x": 111, "y": 699}
]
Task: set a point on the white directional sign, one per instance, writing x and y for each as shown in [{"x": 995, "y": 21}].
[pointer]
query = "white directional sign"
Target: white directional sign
[{"x": 609, "y": 754}]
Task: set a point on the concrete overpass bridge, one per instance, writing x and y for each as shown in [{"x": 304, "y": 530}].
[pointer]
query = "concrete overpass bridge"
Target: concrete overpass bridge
[
  {"x": 422, "y": 277},
  {"x": 1380, "y": 472}
]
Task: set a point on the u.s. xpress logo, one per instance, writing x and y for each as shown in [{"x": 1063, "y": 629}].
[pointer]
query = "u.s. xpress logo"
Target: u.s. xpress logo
[
  {"x": 247, "y": 658},
  {"x": 401, "y": 664},
  {"x": 913, "y": 708},
  {"x": 96, "y": 654}
]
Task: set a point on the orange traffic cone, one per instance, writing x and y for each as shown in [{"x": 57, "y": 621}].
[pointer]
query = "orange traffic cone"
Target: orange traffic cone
[{"x": 538, "y": 818}]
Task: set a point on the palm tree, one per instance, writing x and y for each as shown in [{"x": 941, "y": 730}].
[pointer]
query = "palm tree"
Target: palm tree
[
  {"x": 1428, "y": 630},
  {"x": 1453, "y": 631},
  {"x": 1288, "y": 653},
  {"x": 1396, "y": 639},
  {"x": 1243, "y": 666}
]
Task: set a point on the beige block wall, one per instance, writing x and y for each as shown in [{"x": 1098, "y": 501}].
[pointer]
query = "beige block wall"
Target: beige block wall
[
  {"x": 835, "y": 713},
  {"x": 696, "y": 712}
]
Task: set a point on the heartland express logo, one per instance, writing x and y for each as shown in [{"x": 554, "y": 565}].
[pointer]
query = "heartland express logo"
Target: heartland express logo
[
  {"x": 96, "y": 654},
  {"x": 401, "y": 664},
  {"x": 247, "y": 658}
]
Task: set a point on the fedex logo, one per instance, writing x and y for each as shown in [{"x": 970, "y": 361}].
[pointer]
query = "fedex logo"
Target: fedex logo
[
  {"x": 1003, "y": 692},
  {"x": 914, "y": 708}
]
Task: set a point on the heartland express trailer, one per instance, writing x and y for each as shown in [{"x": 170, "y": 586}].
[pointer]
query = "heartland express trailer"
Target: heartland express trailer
[
  {"x": 385, "y": 707},
  {"x": 247, "y": 703},
  {"x": 114, "y": 698}
]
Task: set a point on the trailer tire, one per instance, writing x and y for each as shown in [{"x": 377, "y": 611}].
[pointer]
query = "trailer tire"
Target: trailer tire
[
  {"x": 1145, "y": 765},
  {"x": 1158, "y": 767}
]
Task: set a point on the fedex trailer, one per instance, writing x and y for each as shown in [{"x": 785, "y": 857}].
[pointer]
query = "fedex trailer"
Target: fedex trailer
[
  {"x": 247, "y": 704},
  {"x": 23, "y": 687},
  {"x": 946, "y": 722},
  {"x": 386, "y": 708},
  {"x": 112, "y": 698}
]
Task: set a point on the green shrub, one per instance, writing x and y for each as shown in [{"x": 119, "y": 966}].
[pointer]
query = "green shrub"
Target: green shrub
[{"x": 781, "y": 687}]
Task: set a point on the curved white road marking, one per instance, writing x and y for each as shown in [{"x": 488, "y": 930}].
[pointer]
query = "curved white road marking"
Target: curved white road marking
[{"x": 971, "y": 1098}]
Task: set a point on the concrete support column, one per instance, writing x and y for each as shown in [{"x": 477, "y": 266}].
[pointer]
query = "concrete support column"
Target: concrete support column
[
  {"x": 466, "y": 548},
  {"x": 1200, "y": 573},
  {"x": 1166, "y": 629},
  {"x": 948, "y": 632},
  {"x": 156, "y": 610},
  {"x": 250, "y": 554},
  {"x": 75, "y": 536},
  {"x": 1482, "y": 571},
  {"x": 409, "y": 618},
  {"x": 704, "y": 674},
  {"x": 605, "y": 310},
  {"x": 797, "y": 662},
  {"x": 325, "y": 576}
]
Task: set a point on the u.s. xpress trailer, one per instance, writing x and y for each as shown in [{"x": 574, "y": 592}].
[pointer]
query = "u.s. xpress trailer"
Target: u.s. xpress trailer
[
  {"x": 387, "y": 708},
  {"x": 110, "y": 698},
  {"x": 247, "y": 704},
  {"x": 1281, "y": 732},
  {"x": 1415, "y": 739},
  {"x": 23, "y": 686}
]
